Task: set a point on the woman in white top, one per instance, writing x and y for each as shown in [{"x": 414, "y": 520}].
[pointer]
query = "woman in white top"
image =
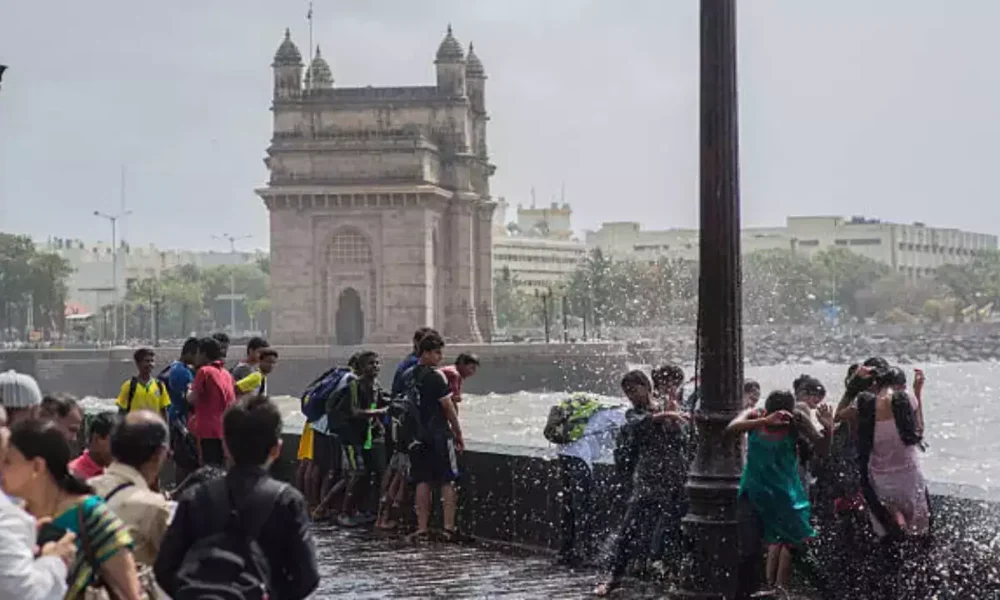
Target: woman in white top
[{"x": 23, "y": 575}]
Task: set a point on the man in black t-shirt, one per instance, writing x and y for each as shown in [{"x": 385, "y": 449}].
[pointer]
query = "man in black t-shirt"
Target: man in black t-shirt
[{"x": 434, "y": 461}]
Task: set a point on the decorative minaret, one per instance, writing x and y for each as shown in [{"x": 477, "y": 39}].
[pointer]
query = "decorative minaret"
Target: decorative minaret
[
  {"x": 318, "y": 75},
  {"x": 450, "y": 62},
  {"x": 287, "y": 69},
  {"x": 475, "y": 81}
]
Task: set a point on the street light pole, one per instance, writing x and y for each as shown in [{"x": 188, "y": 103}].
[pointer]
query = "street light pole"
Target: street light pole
[
  {"x": 113, "y": 219},
  {"x": 713, "y": 480},
  {"x": 232, "y": 239}
]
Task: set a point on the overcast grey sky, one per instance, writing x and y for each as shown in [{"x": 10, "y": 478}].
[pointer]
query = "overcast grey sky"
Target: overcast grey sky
[{"x": 883, "y": 108}]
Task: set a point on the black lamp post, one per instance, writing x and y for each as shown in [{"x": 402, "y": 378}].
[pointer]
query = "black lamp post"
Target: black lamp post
[{"x": 714, "y": 477}]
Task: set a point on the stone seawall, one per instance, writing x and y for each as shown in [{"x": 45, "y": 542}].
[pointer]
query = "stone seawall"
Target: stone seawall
[
  {"x": 511, "y": 495},
  {"x": 506, "y": 368},
  {"x": 776, "y": 345}
]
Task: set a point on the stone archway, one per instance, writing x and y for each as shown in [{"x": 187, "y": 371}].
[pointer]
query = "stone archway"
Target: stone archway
[
  {"x": 349, "y": 286},
  {"x": 350, "y": 318}
]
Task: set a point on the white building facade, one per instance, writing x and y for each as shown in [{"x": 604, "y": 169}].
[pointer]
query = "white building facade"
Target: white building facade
[
  {"x": 536, "y": 263},
  {"x": 914, "y": 250},
  {"x": 91, "y": 285}
]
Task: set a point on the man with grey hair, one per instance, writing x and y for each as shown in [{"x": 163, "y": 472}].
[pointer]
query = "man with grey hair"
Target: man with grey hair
[
  {"x": 139, "y": 446},
  {"x": 20, "y": 395}
]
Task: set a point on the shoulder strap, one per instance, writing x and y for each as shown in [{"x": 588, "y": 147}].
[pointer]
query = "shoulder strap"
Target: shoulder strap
[
  {"x": 133, "y": 384},
  {"x": 117, "y": 489}
]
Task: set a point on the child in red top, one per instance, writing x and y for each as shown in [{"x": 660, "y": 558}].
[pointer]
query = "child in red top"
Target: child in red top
[{"x": 212, "y": 392}]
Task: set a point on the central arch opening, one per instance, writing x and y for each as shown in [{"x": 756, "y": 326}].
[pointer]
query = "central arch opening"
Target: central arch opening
[{"x": 350, "y": 319}]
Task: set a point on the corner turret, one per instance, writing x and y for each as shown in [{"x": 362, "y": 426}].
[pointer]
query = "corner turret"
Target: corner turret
[
  {"x": 450, "y": 63},
  {"x": 287, "y": 67},
  {"x": 475, "y": 81},
  {"x": 318, "y": 75}
]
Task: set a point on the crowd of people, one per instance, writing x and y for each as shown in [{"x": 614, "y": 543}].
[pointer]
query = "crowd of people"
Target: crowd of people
[
  {"x": 833, "y": 485},
  {"x": 355, "y": 446},
  {"x": 73, "y": 525},
  {"x": 97, "y": 524}
]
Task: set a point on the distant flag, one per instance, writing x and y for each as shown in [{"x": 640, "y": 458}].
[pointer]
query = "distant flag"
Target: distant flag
[{"x": 309, "y": 15}]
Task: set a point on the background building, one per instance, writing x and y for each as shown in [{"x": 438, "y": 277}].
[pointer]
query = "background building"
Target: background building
[
  {"x": 914, "y": 250},
  {"x": 537, "y": 251},
  {"x": 379, "y": 200},
  {"x": 91, "y": 284}
]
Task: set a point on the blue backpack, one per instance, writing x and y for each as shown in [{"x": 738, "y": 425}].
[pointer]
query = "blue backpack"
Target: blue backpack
[{"x": 319, "y": 391}]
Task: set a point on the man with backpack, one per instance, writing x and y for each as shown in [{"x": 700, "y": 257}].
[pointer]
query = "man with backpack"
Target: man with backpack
[
  {"x": 318, "y": 447},
  {"x": 178, "y": 377},
  {"x": 350, "y": 412},
  {"x": 143, "y": 391},
  {"x": 433, "y": 458},
  {"x": 247, "y": 534}
]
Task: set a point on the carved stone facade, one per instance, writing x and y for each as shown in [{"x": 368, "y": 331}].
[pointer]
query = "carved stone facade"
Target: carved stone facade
[{"x": 380, "y": 208}]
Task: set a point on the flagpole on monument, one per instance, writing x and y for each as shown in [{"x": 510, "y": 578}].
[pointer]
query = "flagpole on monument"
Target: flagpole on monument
[{"x": 309, "y": 17}]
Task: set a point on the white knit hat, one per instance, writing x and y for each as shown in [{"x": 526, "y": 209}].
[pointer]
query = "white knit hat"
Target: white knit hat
[{"x": 18, "y": 390}]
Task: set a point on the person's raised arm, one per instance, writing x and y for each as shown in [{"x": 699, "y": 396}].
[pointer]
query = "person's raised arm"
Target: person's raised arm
[
  {"x": 750, "y": 419},
  {"x": 918, "y": 392},
  {"x": 806, "y": 427}
]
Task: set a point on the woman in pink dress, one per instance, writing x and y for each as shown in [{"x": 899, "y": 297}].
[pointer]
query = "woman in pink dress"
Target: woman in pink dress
[{"x": 890, "y": 435}]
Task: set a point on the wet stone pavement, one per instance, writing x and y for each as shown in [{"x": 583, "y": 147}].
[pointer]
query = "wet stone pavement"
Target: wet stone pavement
[{"x": 362, "y": 564}]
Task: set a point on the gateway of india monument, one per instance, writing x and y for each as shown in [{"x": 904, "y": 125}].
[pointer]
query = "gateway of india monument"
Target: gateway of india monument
[{"x": 379, "y": 201}]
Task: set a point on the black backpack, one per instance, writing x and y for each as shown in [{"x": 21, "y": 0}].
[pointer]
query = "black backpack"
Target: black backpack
[
  {"x": 405, "y": 422},
  {"x": 230, "y": 564}
]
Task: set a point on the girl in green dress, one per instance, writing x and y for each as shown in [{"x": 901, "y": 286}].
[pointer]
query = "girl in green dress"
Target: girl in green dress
[{"x": 771, "y": 479}]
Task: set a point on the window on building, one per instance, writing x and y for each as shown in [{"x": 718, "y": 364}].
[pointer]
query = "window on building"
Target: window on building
[
  {"x": 866, "y": 242},
  {"x": 840, "y": 242},
  {"x": 809, "y": 243}
]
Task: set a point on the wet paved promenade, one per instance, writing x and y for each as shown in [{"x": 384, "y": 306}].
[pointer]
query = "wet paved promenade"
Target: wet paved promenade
[{"x": 361, "y": 564}]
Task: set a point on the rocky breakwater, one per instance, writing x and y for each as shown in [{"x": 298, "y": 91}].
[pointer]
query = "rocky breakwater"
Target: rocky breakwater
[
  {"x": 506, "y": 368},
  {"x": 795, "y": 345}
]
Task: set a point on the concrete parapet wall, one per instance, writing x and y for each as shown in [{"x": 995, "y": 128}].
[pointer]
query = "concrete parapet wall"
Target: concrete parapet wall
[
  {"x": 512, "y": 495},
  {"x": 506, "y": 368}
]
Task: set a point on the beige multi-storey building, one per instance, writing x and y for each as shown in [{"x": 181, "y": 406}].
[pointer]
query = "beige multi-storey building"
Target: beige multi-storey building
[
  {"x": 914, "y": 250},
  {"x": 379, "y": 200},
  {"x": 538, "y": 251}
]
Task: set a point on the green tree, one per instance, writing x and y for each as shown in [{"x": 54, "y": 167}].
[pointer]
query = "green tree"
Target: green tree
[
  {"x": 780, "y": 286},
  {"x": 976, "y": 283},
  {"x": 512, "y": 307},
  {"x": 844, "y": 273},
  {"x": 31, "y": 281}
]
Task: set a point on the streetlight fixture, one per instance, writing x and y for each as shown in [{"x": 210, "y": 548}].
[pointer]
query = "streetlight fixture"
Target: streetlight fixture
[
  {"x": 113, "y": 219},
  {"x": 232, "y": 239}
]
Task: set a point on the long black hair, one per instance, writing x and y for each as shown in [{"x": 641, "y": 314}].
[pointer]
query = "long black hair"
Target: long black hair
[{"x": 41, "y": 439}]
